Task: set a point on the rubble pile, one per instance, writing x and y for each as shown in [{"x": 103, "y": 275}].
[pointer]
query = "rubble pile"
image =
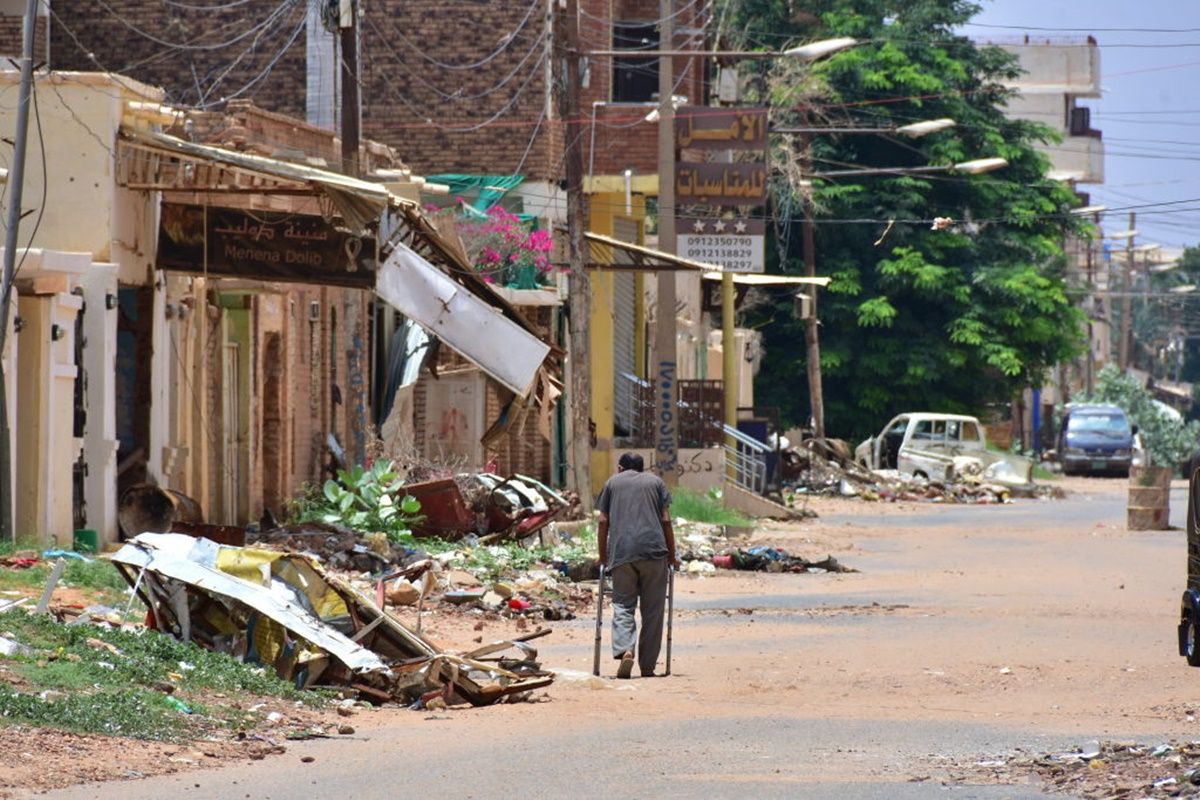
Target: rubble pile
[
  {"x": 1101, "y": 770},
  {"x": 818, "y": 469},
  {"x": 285, "y": 611}
]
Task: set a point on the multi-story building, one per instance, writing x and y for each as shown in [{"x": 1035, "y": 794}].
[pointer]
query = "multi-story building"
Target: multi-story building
[{"x": 1058, "y": 73}]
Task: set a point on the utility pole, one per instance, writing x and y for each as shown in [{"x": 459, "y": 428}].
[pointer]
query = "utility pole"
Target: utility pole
[
  {"x": 1126, "y": 343},
  {"x": 578, "y": 283},
  {"x": 351, "y": 111},
  {"x": 666, "y": 368},
  {"x": 1090, "y": 362},
  {"x": 812, "y": 358},
  {"x": 16, "y": 185}
]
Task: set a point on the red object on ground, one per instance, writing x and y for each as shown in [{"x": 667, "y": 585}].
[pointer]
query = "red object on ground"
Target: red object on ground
[
  {"x": 722, "y": 562},
  {"x": 517, "y": 604}
]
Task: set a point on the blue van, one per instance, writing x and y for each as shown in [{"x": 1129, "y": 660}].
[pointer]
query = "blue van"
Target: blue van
[{"x": 1095, "y": 439}]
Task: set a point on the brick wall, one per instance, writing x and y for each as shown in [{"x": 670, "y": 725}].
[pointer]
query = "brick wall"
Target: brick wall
[
  {"x": 414, "y": 103},
  {"x": 426, "y": 110},
  {"x": 10, "y": 37},
  {"x": 622, "y": 141},
  {"x": 261, "y": 66}
]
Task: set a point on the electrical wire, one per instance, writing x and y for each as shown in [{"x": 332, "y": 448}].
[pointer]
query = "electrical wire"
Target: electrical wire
[
  {"x": 508, "y": 40},
  {"x": 457, "y": 96},
  {"x": 286, "y": 4}
]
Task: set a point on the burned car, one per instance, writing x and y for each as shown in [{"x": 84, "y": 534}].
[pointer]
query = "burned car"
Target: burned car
[{"x": 941, "y": 447}]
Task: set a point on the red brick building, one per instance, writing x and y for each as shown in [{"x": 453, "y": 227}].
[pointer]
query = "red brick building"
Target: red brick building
[{"x": 455, "y": 85}]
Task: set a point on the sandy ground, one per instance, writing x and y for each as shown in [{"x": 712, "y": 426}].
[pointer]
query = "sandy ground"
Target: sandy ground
[{"x": 969, "y": 632}]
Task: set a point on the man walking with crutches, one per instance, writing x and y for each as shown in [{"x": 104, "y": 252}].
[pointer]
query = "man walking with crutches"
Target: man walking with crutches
[{"x": 637, "y": 549}]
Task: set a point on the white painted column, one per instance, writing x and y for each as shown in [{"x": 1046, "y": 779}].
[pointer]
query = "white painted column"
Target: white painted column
[
  {"x": 161, "y": 452},
  {"x": 100, "y": 431}
]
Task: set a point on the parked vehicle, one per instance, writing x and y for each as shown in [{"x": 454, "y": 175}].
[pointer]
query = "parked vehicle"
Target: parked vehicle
[
  {"x": 1189, "y": 612},
  {"x": 1096, "y": 439},
  {"x": 941, "y": 447}
]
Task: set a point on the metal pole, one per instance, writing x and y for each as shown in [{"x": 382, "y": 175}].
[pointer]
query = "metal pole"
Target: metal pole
[
  {"x": 666, "y": 368},
  {"x": 729, "y": 376},
  {"x": 16, "y": 184},
  {"x": 812, "y": 360},
  {"x": 578, "y": 282},
  {"x": 1126, "y": 344},
  {"x": 599, "y": 623},
  {"x": 351, "y": 114},
  {"x": 670, "y": 614}
]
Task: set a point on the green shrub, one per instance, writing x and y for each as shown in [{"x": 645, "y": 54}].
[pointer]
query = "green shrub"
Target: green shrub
[
  {"x": 365, "y": 499},
  {"x": 706, "y": 507},
  {"x": 1168, "y": 441}
]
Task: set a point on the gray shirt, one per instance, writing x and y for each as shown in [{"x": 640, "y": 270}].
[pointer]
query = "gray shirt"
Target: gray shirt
[{"x": 635, "y": 503}]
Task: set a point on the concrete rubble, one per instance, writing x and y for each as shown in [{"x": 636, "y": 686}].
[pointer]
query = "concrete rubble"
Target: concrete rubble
[
  {"x": 826, "y": 467},
  {"x": 285, "y": 611}
]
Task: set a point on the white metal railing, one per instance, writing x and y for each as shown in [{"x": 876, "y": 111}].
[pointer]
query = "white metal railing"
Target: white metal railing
[
  {"x": 745, "y": 460},
  {"x": 745, "y": 456}
]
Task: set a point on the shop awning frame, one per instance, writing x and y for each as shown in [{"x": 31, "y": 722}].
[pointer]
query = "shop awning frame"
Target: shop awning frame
[
  {"x": 154, "y": 161},
  {"x": 613, "y": 255}
]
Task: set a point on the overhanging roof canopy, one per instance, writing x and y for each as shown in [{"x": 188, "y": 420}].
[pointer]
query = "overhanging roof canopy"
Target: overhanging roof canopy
[{"x": 155, "y": 161}]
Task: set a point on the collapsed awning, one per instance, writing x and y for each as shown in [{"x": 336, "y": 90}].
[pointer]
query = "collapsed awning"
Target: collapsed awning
[
  {"x": 476, "y": 329},
  {"x": 154, "y": 161},
  {"x": 426, "y": 276}
]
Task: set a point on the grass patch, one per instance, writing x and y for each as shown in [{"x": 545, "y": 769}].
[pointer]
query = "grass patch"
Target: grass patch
[
  {"x": 97, "y": 576},
  {"x": 506, "y": 559},
  {"x": 705, "y": 507},
  {"x": 1040, "y": 473},
  {"x": 109, "y": 692}
]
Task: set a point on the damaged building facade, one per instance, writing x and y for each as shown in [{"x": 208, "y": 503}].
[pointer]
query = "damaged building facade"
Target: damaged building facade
[{"x": 203, "y": 312}]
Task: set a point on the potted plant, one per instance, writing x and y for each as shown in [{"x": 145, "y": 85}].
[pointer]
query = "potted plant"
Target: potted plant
[{"x": 1166, "y": 442}]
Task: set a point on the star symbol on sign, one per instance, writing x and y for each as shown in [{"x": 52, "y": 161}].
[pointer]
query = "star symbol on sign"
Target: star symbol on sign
[
  {"x": 720, "y": 226},
  {"x": 698, "y": 226},
  {"x": 739, "y": 226}
]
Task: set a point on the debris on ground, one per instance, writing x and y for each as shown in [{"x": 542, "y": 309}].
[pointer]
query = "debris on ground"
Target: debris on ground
[
  {"x": 826, "y": 467},
  {"x": 283, "y": 610},
  {"x": 1099, "y": 770}
]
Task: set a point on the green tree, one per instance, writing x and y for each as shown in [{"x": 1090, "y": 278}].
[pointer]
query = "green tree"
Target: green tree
[{"x": 915, "y": 318}]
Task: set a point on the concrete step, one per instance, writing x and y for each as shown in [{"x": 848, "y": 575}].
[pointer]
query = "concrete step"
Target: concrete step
[{"x": 756, "y": 506}]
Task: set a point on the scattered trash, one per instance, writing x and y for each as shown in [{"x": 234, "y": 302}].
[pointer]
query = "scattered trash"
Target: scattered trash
[
  {"x": 10, "y": 648},
  {"x": 1099, "y": 770}
]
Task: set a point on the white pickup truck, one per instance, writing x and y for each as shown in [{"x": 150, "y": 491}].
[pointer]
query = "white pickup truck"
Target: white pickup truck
[{"x": 941, "y": 447}]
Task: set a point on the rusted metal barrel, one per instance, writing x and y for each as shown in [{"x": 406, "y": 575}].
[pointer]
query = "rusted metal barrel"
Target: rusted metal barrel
[{"x": 149, "y": 508}]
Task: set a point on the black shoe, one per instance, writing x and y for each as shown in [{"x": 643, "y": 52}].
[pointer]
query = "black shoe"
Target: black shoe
[{"x": 626, "y": 669}]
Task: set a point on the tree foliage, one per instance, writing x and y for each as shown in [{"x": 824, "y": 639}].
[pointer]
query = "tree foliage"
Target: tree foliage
[
  {"x": 915, "y": 318},
  {"x": 1168, "y": 439}
]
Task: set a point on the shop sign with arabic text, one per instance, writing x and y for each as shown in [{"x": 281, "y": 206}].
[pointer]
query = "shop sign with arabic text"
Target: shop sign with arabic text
[
  {"x": 705, "y": 128},
  {"x": 262, "y": 245}
]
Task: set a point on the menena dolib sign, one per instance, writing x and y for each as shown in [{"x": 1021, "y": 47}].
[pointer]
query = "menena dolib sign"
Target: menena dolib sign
[{"x": 262, "y": 245}]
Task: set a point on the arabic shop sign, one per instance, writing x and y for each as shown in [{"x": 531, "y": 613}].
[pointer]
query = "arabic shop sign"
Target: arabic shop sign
[
  {"x": 704, "y": 128},
  {"x": 735, "y": 245},
  {"x": 721, "y": 184},
  {"x": 262, "y": 245}
]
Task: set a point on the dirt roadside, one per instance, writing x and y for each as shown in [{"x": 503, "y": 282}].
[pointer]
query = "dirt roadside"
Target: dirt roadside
[{"x": 1044, "y": 615}]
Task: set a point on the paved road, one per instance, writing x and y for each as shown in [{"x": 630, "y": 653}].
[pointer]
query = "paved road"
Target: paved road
[{"x": 971, "y": 632}]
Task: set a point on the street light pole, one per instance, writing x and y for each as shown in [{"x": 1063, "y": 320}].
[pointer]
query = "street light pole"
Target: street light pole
[
  {"x": 812, "y": 342},
  {"x": 16, "y": 184},
  {"x": 1123, "y": 351}
]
